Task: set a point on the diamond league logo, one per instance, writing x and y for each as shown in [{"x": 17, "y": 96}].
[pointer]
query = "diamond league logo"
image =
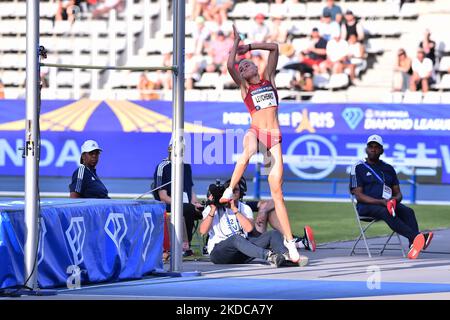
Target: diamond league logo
[
  {"x": 75, "y": 235},
  {"x": 311, "y": 157},
  {"x": 352, "y": 117},
  {"x": 149, "y": 226},
  {"x": 116, "y": 228}
]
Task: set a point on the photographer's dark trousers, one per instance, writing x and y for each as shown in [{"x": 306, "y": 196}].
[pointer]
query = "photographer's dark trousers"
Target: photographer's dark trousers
[
  {"x": 190, "y": 216},
  {"x": 404, "y": 223},
  {"x": 237, "y": 249}
]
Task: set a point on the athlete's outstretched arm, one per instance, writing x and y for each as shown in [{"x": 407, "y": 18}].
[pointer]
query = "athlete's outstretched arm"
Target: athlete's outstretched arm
[
  {"x": 272, "y": 61},
  {"x": 232, "y": 59}
]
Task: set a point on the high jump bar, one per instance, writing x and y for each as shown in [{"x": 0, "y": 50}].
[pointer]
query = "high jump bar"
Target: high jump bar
[{"x": 81, "y": 66}]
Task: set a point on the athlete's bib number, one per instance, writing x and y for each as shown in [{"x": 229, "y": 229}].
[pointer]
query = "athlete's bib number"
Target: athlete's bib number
[{"x": 264, "y": 100}]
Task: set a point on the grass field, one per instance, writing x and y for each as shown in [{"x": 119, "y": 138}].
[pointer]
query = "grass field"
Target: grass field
[{"x": 332, "y": 221}]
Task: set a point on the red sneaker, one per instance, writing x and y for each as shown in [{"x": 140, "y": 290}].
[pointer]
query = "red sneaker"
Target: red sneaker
[
  {"x": 309, "y": 239},
  {"x": 428, "y": 236},
  {"x": 416, "y": 247}
]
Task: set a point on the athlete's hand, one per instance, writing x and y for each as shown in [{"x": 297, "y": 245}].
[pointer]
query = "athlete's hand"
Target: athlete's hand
[
  {"x": 242, "y": 49},
  {"x": 237, "y": 37}
]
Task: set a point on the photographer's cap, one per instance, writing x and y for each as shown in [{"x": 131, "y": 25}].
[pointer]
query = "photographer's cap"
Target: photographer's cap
[{"x": 375, "y": 138}]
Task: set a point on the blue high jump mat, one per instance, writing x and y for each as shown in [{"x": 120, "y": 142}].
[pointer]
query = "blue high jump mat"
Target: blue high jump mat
[{"x": 267, "y": 289}]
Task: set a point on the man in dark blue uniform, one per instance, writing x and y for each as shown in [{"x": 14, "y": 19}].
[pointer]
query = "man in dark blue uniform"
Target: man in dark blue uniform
[
  {"x": 85, "y": 182},
  {"x": 192, "y": 209},
  {"x": 376, "y": 188}
]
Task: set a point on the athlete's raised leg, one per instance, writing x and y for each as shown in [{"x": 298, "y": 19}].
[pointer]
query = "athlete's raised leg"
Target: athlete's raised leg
[{"x": 250, "y": 145}]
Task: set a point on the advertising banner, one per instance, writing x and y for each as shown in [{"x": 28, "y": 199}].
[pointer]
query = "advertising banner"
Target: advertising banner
[{"x": 319, "y": 140}]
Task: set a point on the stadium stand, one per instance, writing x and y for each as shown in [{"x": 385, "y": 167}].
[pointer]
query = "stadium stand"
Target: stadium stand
[{"x": 139, "y": 32}]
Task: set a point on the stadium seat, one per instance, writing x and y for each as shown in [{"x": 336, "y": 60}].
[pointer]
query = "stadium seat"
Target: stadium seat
[
  {"x": 364, "y": 224},
  {"x": 278, "y": 10},
  {"x": 444, "y": 64},
  {"x": 431, "y": 97},
  {"x": 444, "y": 84},
  {"x": 409, "y": 10},
  {"x": 321, "y": 80},
  {"x": 314, "y": 10},
  {"x": 208, "y": 80},
  {"x": 193, "y": 95},
  {"x": 397, "y": 97},
  {"x": 297, "y": 10},
  {"x": 242, "y": 10},
  {"x": 412, "y": 97},
  {"x": 283, "y": 80},
  {"x": 338, "y": 81}
]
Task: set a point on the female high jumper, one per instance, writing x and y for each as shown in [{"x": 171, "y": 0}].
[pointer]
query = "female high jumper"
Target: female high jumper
[{"x": 261, "y": 98}]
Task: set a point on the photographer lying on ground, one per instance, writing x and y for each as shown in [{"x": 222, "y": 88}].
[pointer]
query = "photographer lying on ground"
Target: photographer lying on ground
[{"x": 231, "y": 232}]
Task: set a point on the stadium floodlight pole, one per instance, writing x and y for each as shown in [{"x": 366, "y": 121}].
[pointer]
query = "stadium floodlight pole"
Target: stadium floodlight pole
[
  {"x": 31, "y": 151},
  {"x": 178, "y": 9}
]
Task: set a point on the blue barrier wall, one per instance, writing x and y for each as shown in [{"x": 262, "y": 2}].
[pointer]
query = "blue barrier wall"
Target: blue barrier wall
[
  {"x": 84, "y": 241},
  {"x": 134, "y": 136}
]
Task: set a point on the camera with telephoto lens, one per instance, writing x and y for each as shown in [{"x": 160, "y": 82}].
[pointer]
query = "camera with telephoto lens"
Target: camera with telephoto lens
[{"x": 216, "y": 191}]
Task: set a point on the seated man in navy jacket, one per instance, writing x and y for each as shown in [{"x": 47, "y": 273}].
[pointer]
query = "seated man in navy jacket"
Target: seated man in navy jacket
[{"x": 376, "y": 188}]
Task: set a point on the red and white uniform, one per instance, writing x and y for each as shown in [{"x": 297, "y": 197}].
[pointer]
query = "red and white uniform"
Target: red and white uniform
[{"x": 261, "y": 96}]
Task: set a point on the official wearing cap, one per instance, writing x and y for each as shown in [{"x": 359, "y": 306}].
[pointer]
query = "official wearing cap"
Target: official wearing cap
[
  {"x": 377, "y": 189},
  {"x": 85, "y": 181}
]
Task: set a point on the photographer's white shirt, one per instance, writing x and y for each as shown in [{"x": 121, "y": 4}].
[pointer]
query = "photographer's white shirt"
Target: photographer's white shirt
[{"x": 225, "y": 224}]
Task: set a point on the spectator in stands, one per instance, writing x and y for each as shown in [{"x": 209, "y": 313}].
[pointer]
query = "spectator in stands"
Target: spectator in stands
[
  {"x": 105, "y": 6},
  {"x": 165, "y": 76},
  {"x": 200, "y": 34},
  {"x": 333, "y": 10},
  {"x": 422, "y": 76},
  {"x": 352, "y": 26},
  {"x": 278, "y": 32},
  {"x": 403, "y": 71},
  {"x": 202, "y": 8},
  {"x": 327, "y": 27},
  {"x": 225, "y": 81},
  {"x": 66, "y": 10},
  {"x": 221, "y": 7},
  {"x": 428, "y": 46},
  {"x": 377, "y": 189},
  {"x": 85, "y": 181},
  {"x": 287, "y": 57},
  {"x": 303, "y": 80},
  {"x": 91, "y": 4},
  {"x": 337, "y": 57},
  {"x": 218, "y": 49},
  {"x": 231, "y": 234},
  {"x": 191, "y": 206},
  {"x": 356, "y": 53},
  {"x": 146, "y": 88},
  {"x": 316, "y": 52},
  {"x": 44, "y": 74},
  {"x": 259, "y": 31},
  {"x": 192, "y": 67},
  {"x": 280, "y": 8},
  {"x": 2, "y": 90}
]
